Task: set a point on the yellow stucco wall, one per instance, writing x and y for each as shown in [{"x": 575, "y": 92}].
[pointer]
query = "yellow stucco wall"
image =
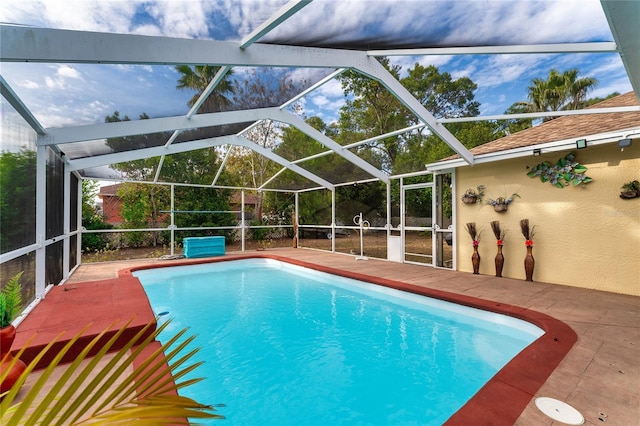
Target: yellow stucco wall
[{"x": 586, "y": 236}]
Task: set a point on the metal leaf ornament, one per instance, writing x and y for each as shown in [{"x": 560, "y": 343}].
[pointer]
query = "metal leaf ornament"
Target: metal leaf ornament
[{"x": 566, "y": 171}]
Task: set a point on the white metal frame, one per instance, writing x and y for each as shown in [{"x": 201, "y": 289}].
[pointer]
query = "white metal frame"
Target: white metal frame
[
  {"x": 403, "y": 226},
  {"x": 434, "y": 229}
]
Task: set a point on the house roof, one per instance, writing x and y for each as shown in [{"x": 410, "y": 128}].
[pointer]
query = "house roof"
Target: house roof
[
  {"x": 570, "y": 126},
  {"x": 557, "y": 132},
  {"x": 109, "y": 190}
]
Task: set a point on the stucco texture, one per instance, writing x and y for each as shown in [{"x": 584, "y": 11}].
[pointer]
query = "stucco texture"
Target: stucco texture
[{"x": 585, "y": 236}]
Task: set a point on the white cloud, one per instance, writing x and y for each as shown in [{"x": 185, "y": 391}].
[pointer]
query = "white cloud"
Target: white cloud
[
  {"x": 54, "y": 83},
  {"x": 331, "y": 89},
  {"x": 28, "y": 84},
  {"x": 179, "y": 19},
  {"x": 147, "y": 29},
  {"x": 66, "y": 71},
  {"x": 608, "y": 65},
  {"x": 408, "y": 62},
  {"x": 521, "y": 22},
  {"x": 87, "y": 15},
  {"x": 326, "y": 101},
  {"x": 100, "y": 106},
  {"x": 467, "y": 71}
]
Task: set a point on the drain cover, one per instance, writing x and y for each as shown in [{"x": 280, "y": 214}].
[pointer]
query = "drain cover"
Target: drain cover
[{"x": 559, "y": 411}]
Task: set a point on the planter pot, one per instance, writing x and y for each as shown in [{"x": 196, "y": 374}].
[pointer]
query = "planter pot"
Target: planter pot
[
  {"x": 468, "y": 199},
  {"x": 500, "y": 208},
  {"x": 7, "y": 335},
  {"x": 629, "y": 194}
]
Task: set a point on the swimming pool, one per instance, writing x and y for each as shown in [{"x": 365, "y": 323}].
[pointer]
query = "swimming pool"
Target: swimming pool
[{"x": 287, "y": 345}]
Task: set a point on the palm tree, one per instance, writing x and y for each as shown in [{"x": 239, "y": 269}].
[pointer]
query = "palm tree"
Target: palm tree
[
  {"x": 560, "y": 91},
  {"x": 198, "y": 78}
]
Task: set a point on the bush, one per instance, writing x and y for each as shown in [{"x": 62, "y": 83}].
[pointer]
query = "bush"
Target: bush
[{"x": 94, "y": 242}]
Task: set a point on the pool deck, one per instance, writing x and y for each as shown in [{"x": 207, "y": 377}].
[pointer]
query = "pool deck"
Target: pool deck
[{"x": 600, "y": 375}]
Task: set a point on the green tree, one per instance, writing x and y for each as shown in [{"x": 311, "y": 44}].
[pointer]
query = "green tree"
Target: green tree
[
  {"x": 297, "y": 145},
  {"x": 136, "y": 210},
  {"x": 374, "y": 110},
  {"x": 592, "y": 101},
  {"x": 442, "y": 96},
  {"x": 371, "y": 110},
  {"x": 203, "y": 202},
  {"x": 141, "y": 203},
  {"x": 261, "y": 88},
  {"x": 91, "y": 220},
  {"x": 17, "y": 199},
  {"x": 198, "y": 78},
  {"x": 559, "y": 91},
  {"x": 517, "y": 124}
]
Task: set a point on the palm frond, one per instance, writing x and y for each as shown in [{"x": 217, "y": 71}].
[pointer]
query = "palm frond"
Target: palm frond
[
  {"x": 147, "y": 393},
  {"x": 11, "y": 300}
]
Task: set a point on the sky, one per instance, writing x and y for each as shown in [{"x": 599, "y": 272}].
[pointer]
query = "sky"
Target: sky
[{"x": 72, "y": 94}]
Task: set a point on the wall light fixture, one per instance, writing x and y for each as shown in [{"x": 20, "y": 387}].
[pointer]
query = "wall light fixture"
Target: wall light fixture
[{"x": 624, "y": 143}]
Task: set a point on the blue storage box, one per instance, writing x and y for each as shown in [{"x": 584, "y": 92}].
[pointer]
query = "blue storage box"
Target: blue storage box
[{"x": 203, "y": 246}]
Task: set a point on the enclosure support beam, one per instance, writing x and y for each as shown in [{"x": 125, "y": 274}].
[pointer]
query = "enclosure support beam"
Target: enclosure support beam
[
  {"x": 66, "y": 224},
  {"x": 242, "y": 218},
  {"x": 41, "y": 219},
  {"x": 454, "y": 221},
  {"x": 172, "y": 215},
  {"x": 591, "y": 47},
  {"x": 333, "y": 220},
  {"x": 296, "y": 197},
  {"x": 402, "y": 222},
  {"x": 389, "y": 223},
  {"x": 78, "y": 222}
]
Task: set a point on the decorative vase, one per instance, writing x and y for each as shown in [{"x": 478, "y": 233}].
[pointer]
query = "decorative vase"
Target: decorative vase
[
  {"x": 475, "y": 260},
  {"x": 529, "y": 263},
  {"x": 499, "y": 261},
  {"x": 500, "y": 208},
  {"x": 470, "y": 199},
  {"x": 7, "y": 335}
]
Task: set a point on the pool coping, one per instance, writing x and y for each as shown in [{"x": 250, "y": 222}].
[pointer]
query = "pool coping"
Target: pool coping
[{"x": 505, "y": 396}]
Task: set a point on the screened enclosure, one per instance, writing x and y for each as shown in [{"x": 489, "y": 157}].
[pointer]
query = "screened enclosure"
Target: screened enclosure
[{"x": 303, "y": 124}]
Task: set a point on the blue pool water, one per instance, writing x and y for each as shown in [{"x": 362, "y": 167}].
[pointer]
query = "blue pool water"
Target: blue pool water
[{"x": 285, "y": 345}]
